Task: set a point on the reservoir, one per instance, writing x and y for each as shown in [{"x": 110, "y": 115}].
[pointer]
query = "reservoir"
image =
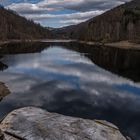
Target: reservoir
[{"x": 74, "y": 79}]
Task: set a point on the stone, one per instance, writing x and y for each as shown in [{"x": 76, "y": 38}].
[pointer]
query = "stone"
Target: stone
[
  {"x": 32, "y": 123},
  {"x": 1, "y": 135},
  {"x": 3, "y": 90}
]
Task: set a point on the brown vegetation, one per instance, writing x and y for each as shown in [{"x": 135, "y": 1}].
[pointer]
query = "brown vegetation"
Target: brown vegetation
[
  {"x": 120, "y": 23},
  {"x": 13, "y": 26}
]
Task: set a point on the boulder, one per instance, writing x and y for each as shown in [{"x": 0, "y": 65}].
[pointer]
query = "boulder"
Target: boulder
[
  {"x": 32, "y": 123},
  {"x": 1, "y": 135},
  {"x": 3, "y": 90}
]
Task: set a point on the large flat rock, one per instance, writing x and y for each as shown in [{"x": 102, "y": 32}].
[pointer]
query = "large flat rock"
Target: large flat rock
[{"x": 36, "y": 124}]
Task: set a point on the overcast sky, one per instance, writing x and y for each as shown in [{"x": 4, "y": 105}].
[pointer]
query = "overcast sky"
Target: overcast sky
[{"x": 58, "y": 13}]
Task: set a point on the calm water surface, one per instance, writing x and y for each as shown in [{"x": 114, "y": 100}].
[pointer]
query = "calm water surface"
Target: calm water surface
[{"x": 75, "y": 80}]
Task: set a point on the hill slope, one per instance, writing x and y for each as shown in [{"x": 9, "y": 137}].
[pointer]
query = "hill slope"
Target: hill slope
[
  {"x": 120, "y": 23},
  {"x": 13, "y": 26}
]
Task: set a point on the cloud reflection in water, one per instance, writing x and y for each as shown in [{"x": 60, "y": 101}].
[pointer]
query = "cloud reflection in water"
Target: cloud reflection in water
[{"x": 65, "y": 81}]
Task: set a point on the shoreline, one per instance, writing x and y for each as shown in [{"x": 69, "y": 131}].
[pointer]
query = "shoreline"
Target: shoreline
[
  {"x": 4, "y": 91},
  {"x": 121, "y": 45},
  {"x": 124, "y": 45},
  {"x": 16, "y": 41}
]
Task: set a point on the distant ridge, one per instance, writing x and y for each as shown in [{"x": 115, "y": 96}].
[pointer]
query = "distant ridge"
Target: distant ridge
[
  {"x": 120, "y": 23},
  {"x": 13, "y": 26}
]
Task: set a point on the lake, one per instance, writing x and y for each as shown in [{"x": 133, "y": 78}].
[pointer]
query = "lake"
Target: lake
[{"x": 74, "y": 79}]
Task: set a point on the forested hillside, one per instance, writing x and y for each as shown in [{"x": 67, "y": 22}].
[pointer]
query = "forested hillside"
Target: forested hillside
[
  {"x": 120, "y": 23},
  {"x": 13, "y": 26}
]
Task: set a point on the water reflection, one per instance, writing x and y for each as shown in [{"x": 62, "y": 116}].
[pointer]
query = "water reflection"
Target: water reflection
[
  {"x": 64, "y": 79},
  {"x": 120, "y": 61}
]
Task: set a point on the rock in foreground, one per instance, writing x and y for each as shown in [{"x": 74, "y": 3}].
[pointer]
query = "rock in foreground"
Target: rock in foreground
[{"x": 36, "y": 124}]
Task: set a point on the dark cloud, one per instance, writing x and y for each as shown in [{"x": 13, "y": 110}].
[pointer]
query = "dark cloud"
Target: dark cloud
[{"x": 47, "y": 12}]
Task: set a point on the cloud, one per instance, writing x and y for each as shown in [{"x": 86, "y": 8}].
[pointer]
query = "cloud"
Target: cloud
[
  {"x": 65, "y": 19},
  {"x": 65, "y": 12},
  {"x": 26, "y": 8},
  {"x": 81, "y": 5}
]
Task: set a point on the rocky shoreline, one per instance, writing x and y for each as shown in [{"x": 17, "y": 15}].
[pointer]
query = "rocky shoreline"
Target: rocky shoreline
[
  {"x": 32, "y": 123},
  {"x": 122, "y": 44},
  {"x": 3, "y": 91},
  {"x": 16, "y": 41}
]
